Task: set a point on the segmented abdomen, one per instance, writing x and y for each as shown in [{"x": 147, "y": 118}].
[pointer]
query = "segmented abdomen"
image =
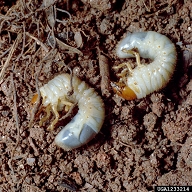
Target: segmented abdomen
[
  {"x": 146, "y": 79},
  {"x": 90, "y": 117}
]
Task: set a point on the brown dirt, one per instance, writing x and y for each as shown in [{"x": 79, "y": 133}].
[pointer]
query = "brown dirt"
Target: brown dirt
[{"x": 142, "y": 143}]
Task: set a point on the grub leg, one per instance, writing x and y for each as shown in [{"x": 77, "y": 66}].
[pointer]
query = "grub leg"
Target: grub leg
[
  {"x": 55, "y": 112},
  {"x": 133, "y": 52},
  {"x": 47, "y": 110}
]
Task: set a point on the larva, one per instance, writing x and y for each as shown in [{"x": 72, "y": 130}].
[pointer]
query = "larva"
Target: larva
[
  {"x": 90, "y": 117},
  {"x": 145, "y": 79}
]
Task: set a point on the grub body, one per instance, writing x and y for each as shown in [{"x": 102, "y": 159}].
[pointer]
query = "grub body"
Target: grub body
[
  {"x": 90, "y": 117},
  {"x": 145, "y": 79}
]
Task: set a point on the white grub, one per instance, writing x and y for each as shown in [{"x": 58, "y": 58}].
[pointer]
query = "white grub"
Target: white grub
[
  {"x": 90, "y": 117},
  {"x": 145, "y": 79}
]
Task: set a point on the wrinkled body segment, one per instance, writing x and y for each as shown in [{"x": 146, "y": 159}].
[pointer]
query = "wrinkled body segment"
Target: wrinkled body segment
[
  {"x": 145, "y": 79},
  {"x": 90, "y": 117}
]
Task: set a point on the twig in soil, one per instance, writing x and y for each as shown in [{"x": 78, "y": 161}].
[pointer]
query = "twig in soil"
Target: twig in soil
[
  {"x": 125, "y": 144},
  {"x": 3, "y": 54},
  {"x": 33, "y": 146},
  {"x": 23, "y": 5},
  {"x": 41, "y": 8},
  {"x": 104, "y": 72},
  {"x": 51, "y": 15},
  {"x": 64, "y": 46},
  {"x": 2, "y": 23},
  {"x": 5, "y": 17},
  {"x": 7, "y": 62},
  {"x": 25, "y": 71},
  {"x": 17, "y": 59},
  {"x": 63, "y": 12},
  {"x": 9, "y": 37},
  {"x": 38, "y": 42},
  {"x": 148, "y": 9},
  {"x": 30, "y": 49}
]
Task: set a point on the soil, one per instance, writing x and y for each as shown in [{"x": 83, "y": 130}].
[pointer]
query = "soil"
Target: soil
[{"x": 143, "y": 143}]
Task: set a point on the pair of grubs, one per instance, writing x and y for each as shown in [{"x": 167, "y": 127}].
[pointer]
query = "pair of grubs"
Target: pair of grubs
[{"x": 134, "y": 83}]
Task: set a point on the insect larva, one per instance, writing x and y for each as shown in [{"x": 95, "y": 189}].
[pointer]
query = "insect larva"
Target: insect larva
[
  {"x": 145, "y": 79},
  {"x": 90, "y": 117}
]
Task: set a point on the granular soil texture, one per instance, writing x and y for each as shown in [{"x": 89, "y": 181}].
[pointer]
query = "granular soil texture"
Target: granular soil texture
[{"x": 142, "y": 143}]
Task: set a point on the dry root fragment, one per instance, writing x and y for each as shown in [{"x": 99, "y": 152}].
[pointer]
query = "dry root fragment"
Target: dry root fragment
[
  {"x": 64, "y": 46},
  {"x": 10, "y": 56},
  {"x": 104, "y": 72}
]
